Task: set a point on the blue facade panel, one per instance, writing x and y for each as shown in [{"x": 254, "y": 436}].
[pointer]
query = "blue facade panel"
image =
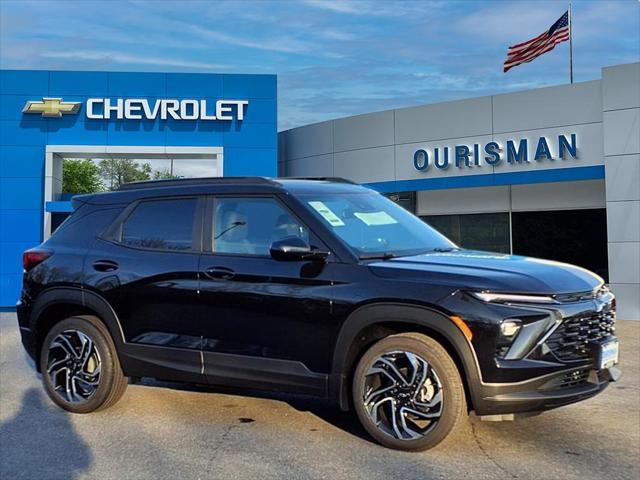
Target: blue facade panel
[
  {"x": 66, "y": 84},
  {"x": 21, "y": 193},
  {"x": 249, "y": 145},
  {"x": 20, "y": 225},
  {"x": 69, "y": 131},
  {"x": 24, "y": 82},
  {"x": 135, "y": 132},
  {"x": 11, "y": 106},
  {"x": 23, "y": 132},
  {"x": 244, "y": 86},
  {"x": 17, "y": 161},
  {"x": 239, "y": 160},
  {"x": 122, "y": 84},
  {"x": 200, "y": 135},
  {"x": 188, "y": 85}
]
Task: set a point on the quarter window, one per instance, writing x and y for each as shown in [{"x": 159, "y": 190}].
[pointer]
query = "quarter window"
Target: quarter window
[
  {"x": 249, "y": 226},
  {"x": 161, "y": 225}
]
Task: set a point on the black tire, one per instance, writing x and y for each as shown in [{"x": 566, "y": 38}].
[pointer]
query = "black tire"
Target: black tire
[
  {"x": 441, "y": 374},
  {"x": 110, "y": 380}
]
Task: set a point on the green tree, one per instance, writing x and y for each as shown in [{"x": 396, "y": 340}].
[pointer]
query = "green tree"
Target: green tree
[
  {"x": 117, "y": 171},
  {"x": 164, "y": 174},
  {"x": 80, "y": 176}
]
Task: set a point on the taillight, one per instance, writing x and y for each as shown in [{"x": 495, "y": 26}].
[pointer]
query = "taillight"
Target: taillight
[{"x": 34, "y": 257}]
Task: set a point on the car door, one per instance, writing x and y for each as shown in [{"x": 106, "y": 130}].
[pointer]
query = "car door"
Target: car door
[
  {"x": 267, "y": 321},
  {"x": 146, "y": 267}
]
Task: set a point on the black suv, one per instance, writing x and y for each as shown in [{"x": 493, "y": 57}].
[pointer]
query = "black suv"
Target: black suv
[{"x": 313, "y": 286}]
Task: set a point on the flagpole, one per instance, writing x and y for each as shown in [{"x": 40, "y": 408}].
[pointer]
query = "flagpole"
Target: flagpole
[{"x": 570, "y": 44}]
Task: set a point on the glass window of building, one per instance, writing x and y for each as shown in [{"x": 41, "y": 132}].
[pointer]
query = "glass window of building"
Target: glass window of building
[
  {"x": 406, "y": 200},
  {"x": 573, "y": 236},
  {"x": 481, "y": 231}
]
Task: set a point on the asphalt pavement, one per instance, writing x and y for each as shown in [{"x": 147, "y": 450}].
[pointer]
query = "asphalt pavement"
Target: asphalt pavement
[{"x": 163, "y": 430}]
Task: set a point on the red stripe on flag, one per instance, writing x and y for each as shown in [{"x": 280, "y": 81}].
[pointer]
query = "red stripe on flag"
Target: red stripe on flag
[
  {"x": 513, "y": 63},
  {"x": 534, "y": 42},
  {"x": 539, "y": 49},
  {"x": 528, "y": 41},
  {"x": 526, "y": 59},
  {"x": 552, "y": 40},
  {"x": 537, "y": 42}
]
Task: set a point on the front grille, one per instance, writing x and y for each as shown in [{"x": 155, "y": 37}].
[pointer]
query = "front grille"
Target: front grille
[
  {"x": 571, "y": 339},
  {"x": 574, "y": 379}
]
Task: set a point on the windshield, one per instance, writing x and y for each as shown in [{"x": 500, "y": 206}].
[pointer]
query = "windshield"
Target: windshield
[{"x": 374, "y": 226}]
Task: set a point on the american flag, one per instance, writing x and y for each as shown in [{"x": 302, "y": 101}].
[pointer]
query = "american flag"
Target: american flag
[{"x": 527, "y": 51}]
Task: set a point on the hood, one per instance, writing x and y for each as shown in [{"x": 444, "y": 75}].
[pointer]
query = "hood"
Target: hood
[{"x": 467, "y": 269}]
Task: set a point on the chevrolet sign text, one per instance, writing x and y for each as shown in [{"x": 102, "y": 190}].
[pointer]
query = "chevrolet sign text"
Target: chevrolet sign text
[{"x": 164, "y": 109}]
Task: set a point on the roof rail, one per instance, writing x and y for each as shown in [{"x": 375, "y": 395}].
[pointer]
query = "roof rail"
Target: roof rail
[
  {"x": 179, "y": 182},
  {"x": 322, "y": 179}
]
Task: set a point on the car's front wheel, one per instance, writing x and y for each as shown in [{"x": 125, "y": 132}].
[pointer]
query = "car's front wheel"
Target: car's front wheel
[
  {"x": 80, "y": 367},
  {"x": 407, "y": 392}
]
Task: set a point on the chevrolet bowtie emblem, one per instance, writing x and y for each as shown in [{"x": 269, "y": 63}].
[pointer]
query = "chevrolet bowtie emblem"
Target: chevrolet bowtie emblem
[{"x": 51, "y": 107}]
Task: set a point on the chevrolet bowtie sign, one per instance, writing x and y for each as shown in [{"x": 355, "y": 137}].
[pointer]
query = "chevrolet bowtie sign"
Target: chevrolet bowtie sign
[
  {"x": 51, "y": 107},
  {"x": 141, "y": 109}
]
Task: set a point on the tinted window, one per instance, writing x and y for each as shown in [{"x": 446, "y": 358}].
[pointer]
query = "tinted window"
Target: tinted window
[
  {"x": 250, "y": 225},
  {"x": 162, "y": 224},
  {"x": 475, "y": 231},
  {"x": 573, "y": 236}
]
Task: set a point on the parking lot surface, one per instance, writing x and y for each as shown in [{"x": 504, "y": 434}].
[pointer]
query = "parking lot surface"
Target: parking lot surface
[{"x": 163, "y": 430}]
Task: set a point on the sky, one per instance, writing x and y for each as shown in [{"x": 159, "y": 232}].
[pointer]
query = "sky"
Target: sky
[{"x": 333, "y": 58}]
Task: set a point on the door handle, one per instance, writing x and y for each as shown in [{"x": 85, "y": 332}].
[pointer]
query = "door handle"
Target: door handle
[
  {"x": 222, "y": 273},
  {"x": 105, "y": 265}
]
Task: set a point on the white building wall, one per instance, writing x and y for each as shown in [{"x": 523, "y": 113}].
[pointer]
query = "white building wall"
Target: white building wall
[
  {"x": 379, "y": 146},
  {"x": 515, "y": 198},
  {"x": 621, "y": 115},
  {"x": 459, "y": 201}
]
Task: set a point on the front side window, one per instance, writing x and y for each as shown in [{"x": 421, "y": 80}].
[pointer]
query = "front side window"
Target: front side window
[
  {"x": 373, "y": 225},
  {"x": 161, "y": 225},
  {"x": 248, "y": 226}
]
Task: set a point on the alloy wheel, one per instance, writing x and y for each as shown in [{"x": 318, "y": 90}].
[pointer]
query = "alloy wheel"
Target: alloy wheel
[
  {"x": 74, "y": 366},
  {"x": 403, "y": 395}
]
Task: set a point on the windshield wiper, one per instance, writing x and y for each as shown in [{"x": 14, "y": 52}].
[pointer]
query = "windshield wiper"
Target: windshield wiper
[
  {"x": 444, "y": 250},
  {"x": 378, "y": 256}
]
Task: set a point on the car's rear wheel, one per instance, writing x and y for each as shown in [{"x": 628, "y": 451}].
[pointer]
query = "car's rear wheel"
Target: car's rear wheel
[
  {"x": 407, "y": 392},
  {"x": 79, "y": 364}
]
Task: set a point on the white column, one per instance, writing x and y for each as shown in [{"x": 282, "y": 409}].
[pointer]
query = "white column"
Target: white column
[
  {"x": 52, "y": 187},
  {"x": 621, "y": 125}
]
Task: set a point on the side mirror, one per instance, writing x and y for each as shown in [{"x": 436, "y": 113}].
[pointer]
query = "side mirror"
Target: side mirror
[{"x": 294, "y": 249}]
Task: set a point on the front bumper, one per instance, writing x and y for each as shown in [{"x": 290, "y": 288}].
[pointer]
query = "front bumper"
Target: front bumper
[
  {"x": 544, "y": 392},
  {"x": 558, "y": 365}
]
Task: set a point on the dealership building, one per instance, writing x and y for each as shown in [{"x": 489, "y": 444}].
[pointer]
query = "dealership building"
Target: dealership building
[{"x": 552, "y": 172}]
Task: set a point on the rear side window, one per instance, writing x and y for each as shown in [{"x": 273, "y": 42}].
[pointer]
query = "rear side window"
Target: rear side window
[
  {"x": 83, "y": 226},
  {"x": 161, "y": 225}
]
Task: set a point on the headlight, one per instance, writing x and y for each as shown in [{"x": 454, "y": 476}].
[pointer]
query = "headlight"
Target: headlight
[
  {"x": 513, "y": 298},
  {"x": 509, "y": 328},
  {"x": 527, "y": 336}
]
